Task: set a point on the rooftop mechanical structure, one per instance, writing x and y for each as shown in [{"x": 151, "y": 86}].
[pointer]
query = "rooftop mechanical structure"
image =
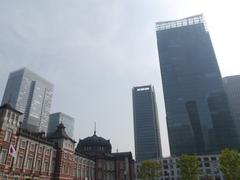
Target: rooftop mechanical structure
[{"x": 197, "y": 19}]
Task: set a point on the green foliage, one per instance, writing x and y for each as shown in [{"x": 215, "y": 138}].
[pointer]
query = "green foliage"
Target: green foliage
[
  {"x": 189, "y": 167},
  {"x": 230, "y": 164},
  {"x": 206, "y": 177},
  {"x": 149, "y": 170}
]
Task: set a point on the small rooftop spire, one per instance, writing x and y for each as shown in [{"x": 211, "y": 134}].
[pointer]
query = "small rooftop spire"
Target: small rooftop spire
[{"x": 94, "y": 128}]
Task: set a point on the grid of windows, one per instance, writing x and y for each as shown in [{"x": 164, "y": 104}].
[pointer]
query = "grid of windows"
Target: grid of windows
[
  {"x": 190, "y": 77},
  {"x": 231, "y": 86},
  {"x": 146, "y": 125},
  {"x": 32, "y": 95},
  {"x": 209, "y": 166}
]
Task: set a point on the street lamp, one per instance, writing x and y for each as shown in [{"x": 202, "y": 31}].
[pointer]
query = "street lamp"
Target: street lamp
[{"x": 125, "y": 175}]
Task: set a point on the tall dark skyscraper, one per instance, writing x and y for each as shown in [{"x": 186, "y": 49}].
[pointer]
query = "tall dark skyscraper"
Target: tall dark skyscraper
[
  {"x": 197, "y": 112},
  {"x": 32, "y": 95},
  {"x": 146, "y": 125},
  {"x": 231, "y": 86}
]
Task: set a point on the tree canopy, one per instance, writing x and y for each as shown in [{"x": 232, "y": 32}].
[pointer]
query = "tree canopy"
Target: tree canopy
[
  {"x": 230, "y": 164},
  {"x": 189, "y": 167},
  {"x": 149, "y": 170}
]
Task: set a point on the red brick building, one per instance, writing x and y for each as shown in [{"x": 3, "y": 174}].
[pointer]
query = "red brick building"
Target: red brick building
[
  {"x": 36, "y": 156},
  {"x": 27, "y": 155}
]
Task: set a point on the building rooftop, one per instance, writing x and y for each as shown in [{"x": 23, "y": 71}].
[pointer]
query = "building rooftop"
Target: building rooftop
[
  {"x": 93, "y": 145},
  {"x": 188, "y": 21},
  {"x": 60, "y": 133},
  {"x": 8, "y": 106},
  {"x": 36, "y": 136},
  {"x": 122, "y": 155},
  {"x": 34, "y": 75},
  {"x": 232, "y": 77}
]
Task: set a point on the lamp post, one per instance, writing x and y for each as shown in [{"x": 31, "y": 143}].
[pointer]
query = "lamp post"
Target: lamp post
[{"x": 125, "y": 175}]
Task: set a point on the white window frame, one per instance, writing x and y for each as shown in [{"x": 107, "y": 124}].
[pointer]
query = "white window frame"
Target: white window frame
[
  {"x": 23, "y": 142},
  {"x": 19, "y": 165},
  {"x": 38, "y": 165},
  {"x": 29, "y": 166},
  {"x": 8, "y": 135},
  {"x": 46, "y": 168},
  {"x": 3, "y": 158},
  {"x": 32, "y": 146},
  {"x": 47, "y": 151}
]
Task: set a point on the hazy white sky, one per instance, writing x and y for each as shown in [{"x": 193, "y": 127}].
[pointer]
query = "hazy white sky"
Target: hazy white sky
[{"x": 95, "y": 51}]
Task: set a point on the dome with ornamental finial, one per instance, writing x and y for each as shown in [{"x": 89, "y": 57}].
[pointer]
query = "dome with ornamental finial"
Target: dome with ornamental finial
[{"x": 94, "y": 145}]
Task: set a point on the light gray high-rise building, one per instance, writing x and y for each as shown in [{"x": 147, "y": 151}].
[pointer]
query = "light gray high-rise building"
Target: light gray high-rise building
[
  {"x": 231, "y": 86},
  {"x": 32, "y": 95},
  {"x": 57, "y": 118},
  {"x": 146, "y": 125}
]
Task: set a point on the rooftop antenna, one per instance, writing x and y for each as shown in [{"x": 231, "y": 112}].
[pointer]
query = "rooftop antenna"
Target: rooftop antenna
[{"x": 94, "y": 128}]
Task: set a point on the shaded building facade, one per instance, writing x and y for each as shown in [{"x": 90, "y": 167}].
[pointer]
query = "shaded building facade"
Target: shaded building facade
[
  {"x": 56, "y": 118},
  {"x": 32, "y": 95},
  {"x": 231, "y": 86},
  {"x": 192, "y": 87},
  {"x": 146, "y": 124}
]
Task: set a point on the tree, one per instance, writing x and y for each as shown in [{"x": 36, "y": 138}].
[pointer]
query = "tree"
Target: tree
[
  {"x": 189, "y": 167},
  {"x": 149, "y": 170},
  {"x": 230, "y": 164},
  {"x": 207, "y": 177}
]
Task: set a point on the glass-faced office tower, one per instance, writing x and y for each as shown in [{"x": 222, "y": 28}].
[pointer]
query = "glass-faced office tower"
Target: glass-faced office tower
[
  {"x": 231, "y": 86},
  {"x": 146, "y": 125},
  {"x": 197, "y": 111},
  {"x": 31, "y": 95},
  {"x": 57, "y": 118}
]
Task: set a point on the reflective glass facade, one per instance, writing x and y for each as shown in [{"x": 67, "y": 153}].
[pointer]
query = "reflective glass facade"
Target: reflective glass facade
[
  {"x": 146, "y": 125},
  {"x": 231, "y": 86},
  {"x": 57, "y": 118},
  {"x": 192, "y": 85},
  {"x": 32, "y": 95}
]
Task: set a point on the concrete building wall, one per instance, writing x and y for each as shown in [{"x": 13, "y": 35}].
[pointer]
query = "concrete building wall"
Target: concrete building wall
[{"x": 208, "y": 164}]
